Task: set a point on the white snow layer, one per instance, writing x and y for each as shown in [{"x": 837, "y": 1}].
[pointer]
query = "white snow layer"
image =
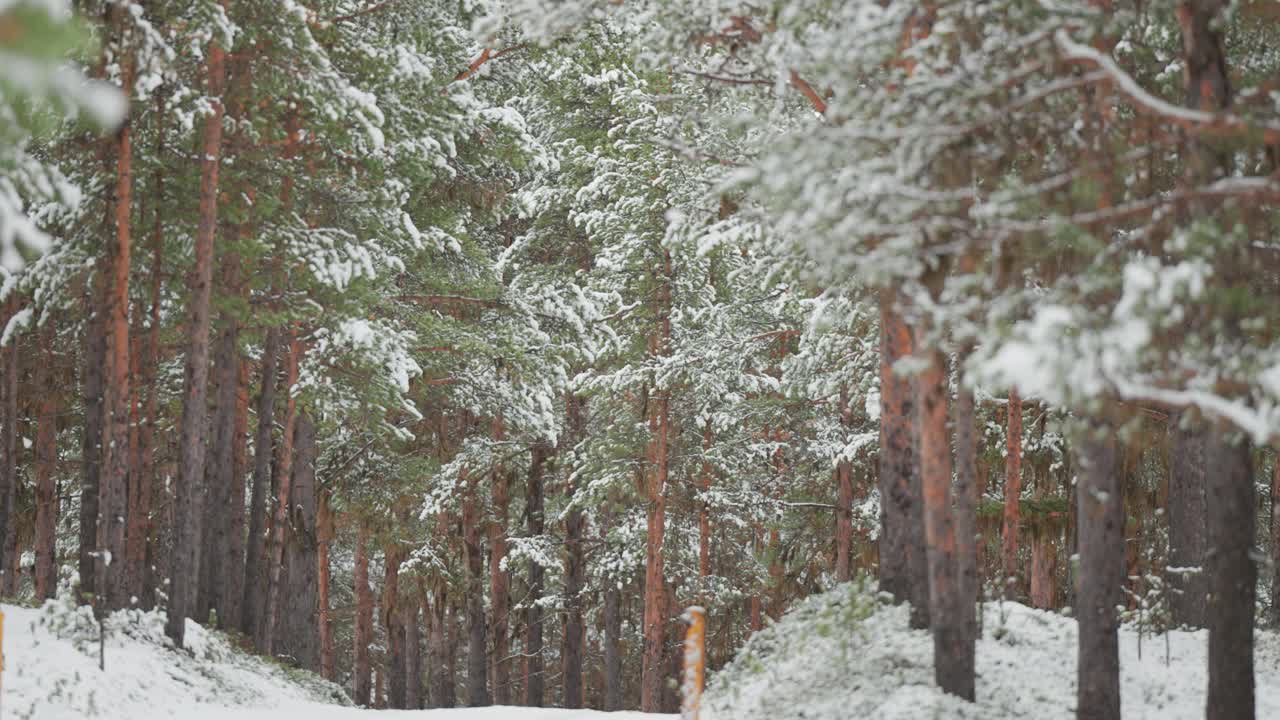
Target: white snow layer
[{"x": 841, "y": 655}]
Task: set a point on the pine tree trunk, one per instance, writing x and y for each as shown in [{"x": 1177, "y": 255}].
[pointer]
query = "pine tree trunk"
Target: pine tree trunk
[
  {"x": 704, "y": 512},
  {"x": 9, "y": 360},
  {"x": 477, "y": 645},
  {"x": 255, "y": 577},
  {"x": 655, "y": 619},
  {"x": 394, "y": 628},
  {"x": 216, "y": 588},
  {"x": 575, "y": 571},
  {"x": 1275, "y": 542},
  {"x": 1230, "y": 513},
  {"x": 325, "y": 532},
  {"x": 283, "y": 478},
  {"x": 903, "y": 565},
  {"x": 95, "y": 354},
  {"x": 1101, "y": 551},
  {"x": 46, "y": 462},
  {"x": 151, "y": 411},
  {"x": 412, "y": 658},
  {"x": 113, "y": 499},
  {"x": 967, "y": 515},
  {"x": 1187, "y": 541},
  {"x": 234, "y": 594},
  {"x": 363, "y": 634},
  {"x": 441, "y": 680},
  {"x": 953, "y": 658},
  {"x": 1012, "y": 496},
  {"x": 299, "y": 635},
  {"x": 534, "y": 686},
  {"x": 498, "y": 579},
  {"x": 185, "y": 575},
  {"x": 612, "y": 647},
  {"x": 139, "y": 485},
  {"x": 844, "y": 503}
]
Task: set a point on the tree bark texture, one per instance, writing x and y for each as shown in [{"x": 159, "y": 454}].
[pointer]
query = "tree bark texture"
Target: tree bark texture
[
  {"x": 255, "y": 577},
  {"x": 534, "y": 682},
  {"x": 1230, "y": 514},
  {"x": 477, "y": 630},
  {"x": 1011, "y": 520},
  {"x": 299, "y": 632},
  {"x": 95, "y": 356},
  {"x": 967, "y": 515},
  {"x": 499, "y": 580},
  {"x": 363, "y": 634},
  {"x": 46, "y": 461},
  {"x": 1101, "y": 551},
  {"x": 1188, "y": 582}
]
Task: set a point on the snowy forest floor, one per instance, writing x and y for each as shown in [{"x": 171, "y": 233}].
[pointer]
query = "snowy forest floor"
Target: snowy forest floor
[{"x": 836, "y": 656}]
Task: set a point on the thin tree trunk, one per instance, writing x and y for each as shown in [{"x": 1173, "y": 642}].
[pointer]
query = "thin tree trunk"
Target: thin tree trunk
[
  {"x": 1232, "y": 576},
  {"x": 903, "y": 565},
  {"x": 46, "y": 462},
  {"x": 655, "y": 620},
  {"x": 477, "y": 645},
  {"x": 299, "y": 635},
  {"x": 91, "y": 448},
  {"x": 363, "y": 635},
  {"x": 534, "y": 686},
  {"x": 255, "y": 578},
  {"x": 704, "y": 511},
  {"x": 1012, "y": 496},
  {"x": 498, "y": 579},
  {"x": 234, "y": 594},
  {"x": 441, "y": 680},
  {"x": 9, "y": 361},
  {"x": 953, "y": 658},
  {"x": 151, "y": 411},
  {"x": 184, "y": 578},
  {"x": 1101, "y": 551},
  {"x": 325, "y": 532},
  {"x": 1188, "y": 581},
  {"x": 575, "y": 572}
]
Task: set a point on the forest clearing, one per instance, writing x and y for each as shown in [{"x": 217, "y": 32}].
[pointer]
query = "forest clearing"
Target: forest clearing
[{"x": 366, "y": 356}]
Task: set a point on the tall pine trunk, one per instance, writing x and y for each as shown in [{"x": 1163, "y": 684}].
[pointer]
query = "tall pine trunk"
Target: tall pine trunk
[
  {"x": 498, "y": 578},
  {"x": 222, "y": 561},
  {"x": 967, "y": 515},
  {"x": 283, "y": 480},
  {"x": 147, "y": 436},
  {"x": 612, "y": 647},
  {"x": 188, "y": 522},
  {"x": 953, "y": 658},
  {"x": 477, "y": 645},
  {"x": 412, "y": 657},
  {"x": 393, "y": 626},
  {"x": 363, "y": 634},
  {"x": 9, "y": 371},
  {"x": 95, "y": 355},
  {"x": 575, "y": 571},
  {"x": 903, "y": 565},
  {"x": 655, "y": 619},
  {"x": 534, "y": 682},
  {"x": 255, "y": 577},
  {"x": 298, "y": 635},
  {"x": 325, "y": 533},
  {"x": 1011, "y": 518},
  {"x": 46, "y": 462},
  {"x": 1101, "y": 551},
  {"x": 1188, "y": 581}
]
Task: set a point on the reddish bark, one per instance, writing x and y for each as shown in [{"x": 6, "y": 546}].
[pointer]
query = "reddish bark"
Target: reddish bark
[
  {"x": 953, "y": 657},
  {"x": 844, "y": 499},
  {"x": 185, "y": 575},
  {"x": 113, "y": 498},
  {"x": 151, "y": 411},
  {"x": 655, "y": 489}
]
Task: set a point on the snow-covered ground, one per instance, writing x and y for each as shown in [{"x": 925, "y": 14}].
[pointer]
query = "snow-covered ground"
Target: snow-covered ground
[
  {"x": 51, "y": 673},
  {"x": 837, "y": 656},
  {"x": 842, "y": 655}
]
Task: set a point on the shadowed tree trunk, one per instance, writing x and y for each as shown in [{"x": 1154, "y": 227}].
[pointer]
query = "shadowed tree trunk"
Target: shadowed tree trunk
[
  {"x": 477, "y": 646},
  {"x": 704, "y": 511},
  {"x": 1230, "y": 516},
  {"x": 185, "y": 576},
  {"x": 657, "y": 458},
  {"x": 412, "y": 658},
  {"x": 967, "y": 515},
  {"x": 255, "y": 578},
  {"x": 1101, "y": 551},
  {"x": 1012, "y": 496},
  {"x": 575, "y": 571},
  {"x": 46, "y": 461},
  {"x": 283, "y": 479},
  {"x": 393, "y": 625},
  {"x": 498, "y": 578},
  {"x": 612, "y": 647},
  {"x": 534, "y": 687},
  {"x": 150, "y": 363},
  {"x": 903, "y": 567},
  {"x": 363, "y": 635},
  {"x": 9, "y": 370},
  {"x": 325, "y": 532},
  {"x": 441, "y": 680},
  {"x": 95, "y": 355},
  {"x": 299, "y": 633},
  {"x": 1187, "y": 541}
]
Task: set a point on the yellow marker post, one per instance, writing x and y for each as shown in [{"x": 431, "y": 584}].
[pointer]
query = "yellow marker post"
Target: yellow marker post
[{"x": 694, "y": 663}]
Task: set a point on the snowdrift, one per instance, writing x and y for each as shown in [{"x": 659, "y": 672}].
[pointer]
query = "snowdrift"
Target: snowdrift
[
  {"x": 51, "y": 669},
  {"x": 846, "y": 654}
]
